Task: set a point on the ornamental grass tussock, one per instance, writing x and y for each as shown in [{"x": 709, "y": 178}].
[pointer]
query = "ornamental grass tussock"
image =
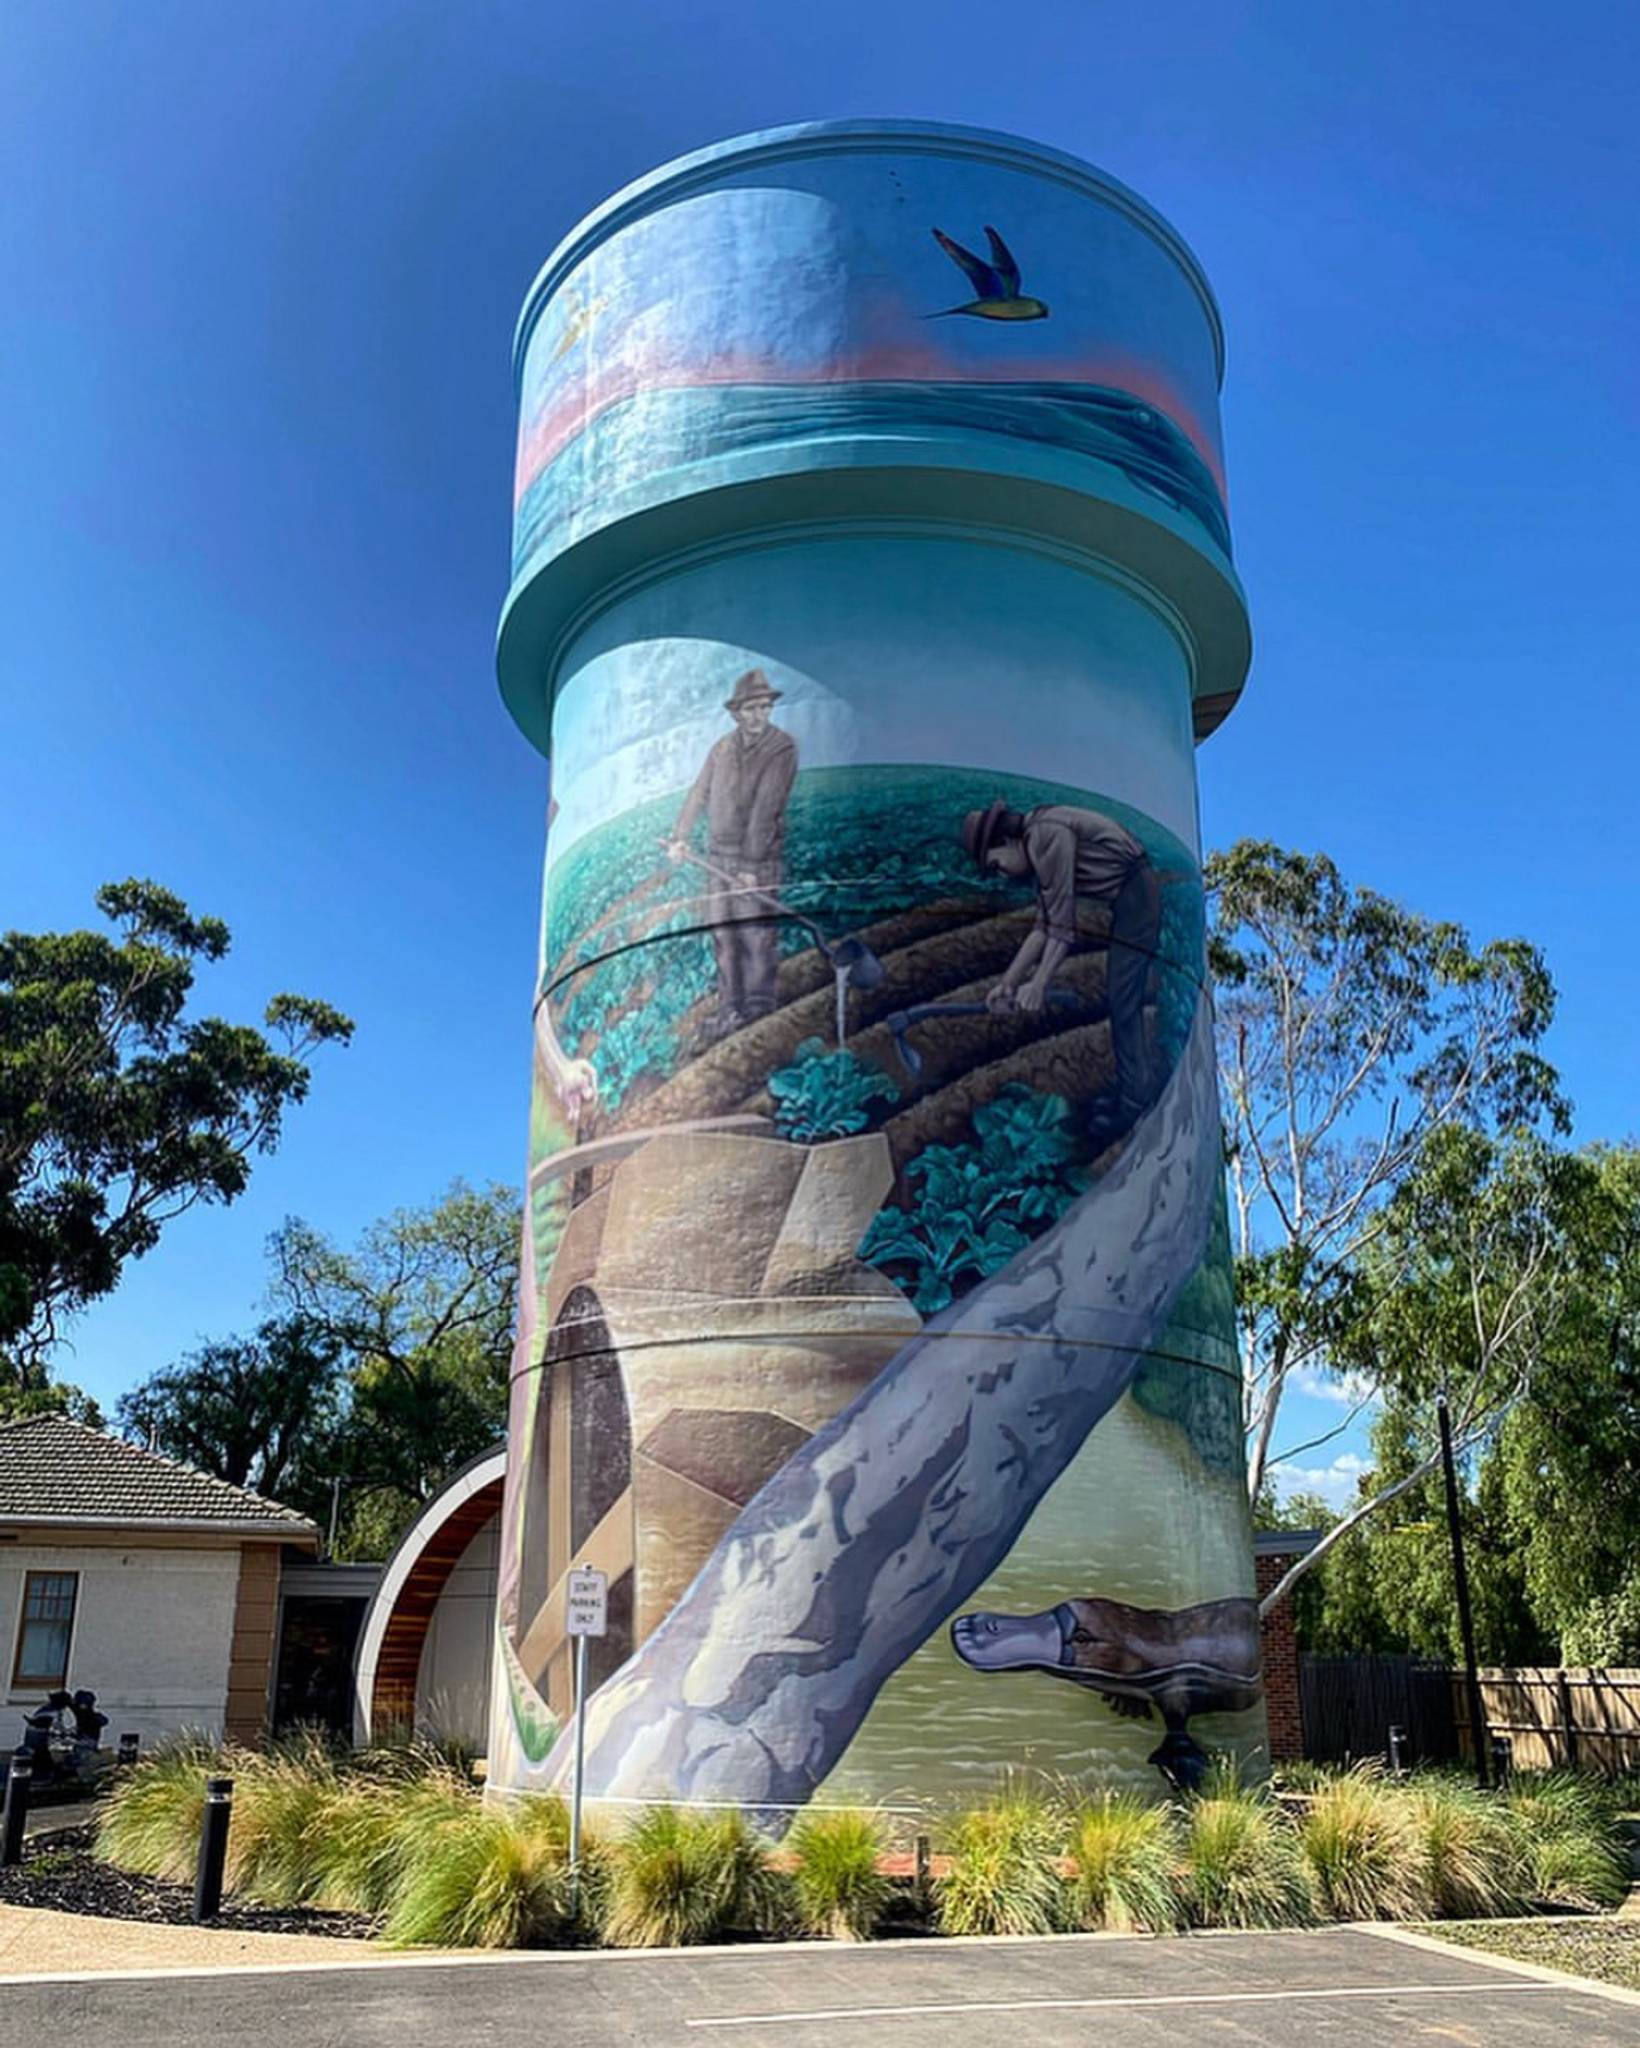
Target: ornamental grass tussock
[
  {"x": 1366, "y": 1851},
  {"x": 839, "y": 1892},
  {"x": 678, "y": 1878},
  {"x": 499, "y": 1879},
  {"x": 378, "y": 1828},
  {"x": 1243, "y": 1866},
  {"x": 1124, "y": 1860},
  {"x": 150, "y": 1821},
  {"x": 1563, "y": 1823},
  {"x": 1002, "y": 1875},
  {"x": 1471, "y": 1855}
]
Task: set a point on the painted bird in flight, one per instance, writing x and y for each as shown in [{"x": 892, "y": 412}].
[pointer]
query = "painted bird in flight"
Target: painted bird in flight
[{"x": 996, "y": 283}]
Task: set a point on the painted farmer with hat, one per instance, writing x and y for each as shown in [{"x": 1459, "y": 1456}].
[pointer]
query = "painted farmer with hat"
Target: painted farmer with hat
[
  {"x": 743, "y": 788},
  {"x": 1078, "y": 859}
]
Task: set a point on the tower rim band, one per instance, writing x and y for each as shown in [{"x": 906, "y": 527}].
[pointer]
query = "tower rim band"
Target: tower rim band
[
  {"x": 1192, "y": 584},
  {"x": 702, "y": 168}
]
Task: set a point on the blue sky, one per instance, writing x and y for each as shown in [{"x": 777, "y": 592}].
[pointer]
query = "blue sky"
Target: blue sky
[{"x": 261, "y": 268}]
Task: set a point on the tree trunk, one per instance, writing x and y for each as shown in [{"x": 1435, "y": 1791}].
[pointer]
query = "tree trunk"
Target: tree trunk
[{"x": 897, "y": 1511}]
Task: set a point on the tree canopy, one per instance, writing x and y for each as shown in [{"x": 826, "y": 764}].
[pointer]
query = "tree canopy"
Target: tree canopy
[
  {"x": 1551, "y": 1506},
  {"x": 119, "y": 1111},
  {"x": 383, "y": 1370},
  {"x": 257, "y": 1411},
  {"x": 1354, "y": 1034}
]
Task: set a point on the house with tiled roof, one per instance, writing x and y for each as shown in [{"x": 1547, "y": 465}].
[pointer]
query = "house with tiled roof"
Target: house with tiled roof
[{"x": 154, "y": 1585}]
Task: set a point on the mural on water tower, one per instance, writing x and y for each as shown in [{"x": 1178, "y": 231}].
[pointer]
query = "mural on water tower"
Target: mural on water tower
[{"x": 878, "y": 1336}]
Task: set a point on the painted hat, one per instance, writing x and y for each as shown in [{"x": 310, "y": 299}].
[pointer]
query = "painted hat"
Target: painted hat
[
  {"x": 979, "y": 828},
  {"x": 754, "y": 687}
]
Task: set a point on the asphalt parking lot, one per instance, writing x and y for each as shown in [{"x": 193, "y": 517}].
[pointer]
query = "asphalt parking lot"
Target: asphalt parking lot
[{"x": 1342, "y": 1984}]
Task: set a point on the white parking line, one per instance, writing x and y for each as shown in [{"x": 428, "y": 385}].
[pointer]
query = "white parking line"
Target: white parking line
[{"x": 955, "y": 2011}]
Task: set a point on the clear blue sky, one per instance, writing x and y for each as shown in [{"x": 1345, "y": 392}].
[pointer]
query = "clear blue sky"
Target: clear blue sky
[{"x": 261, "y": 266}]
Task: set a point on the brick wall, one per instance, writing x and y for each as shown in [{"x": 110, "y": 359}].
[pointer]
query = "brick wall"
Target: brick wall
[{"x": 1281, "y": 1701}]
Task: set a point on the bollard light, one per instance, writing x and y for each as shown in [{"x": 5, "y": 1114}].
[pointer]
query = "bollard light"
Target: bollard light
[
  {"x": 128, "y": 1751},
  {"x": 1397, "y": 1749},
  {"x": 19, "y": 1780},
  {"x": 213, "y": 1848}
]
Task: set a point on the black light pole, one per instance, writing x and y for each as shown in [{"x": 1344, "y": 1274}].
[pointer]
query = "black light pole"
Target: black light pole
[
  {"x": 213, "y": 1848},
  {"x": 1460, "y": 1584},
  {"x": 18, "y": 1779}
]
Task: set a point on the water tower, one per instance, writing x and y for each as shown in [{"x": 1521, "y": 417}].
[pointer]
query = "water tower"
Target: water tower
[{"x": 871, "y": 592}]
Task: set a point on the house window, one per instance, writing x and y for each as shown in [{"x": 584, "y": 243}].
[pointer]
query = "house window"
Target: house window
[{"x": 47, "y": 1624}]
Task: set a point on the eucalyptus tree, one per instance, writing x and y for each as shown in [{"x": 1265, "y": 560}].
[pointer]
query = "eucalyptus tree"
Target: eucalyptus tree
[
  {"x": 1469, "y": 1282},
  {"x": 1352, "y": 1033}
]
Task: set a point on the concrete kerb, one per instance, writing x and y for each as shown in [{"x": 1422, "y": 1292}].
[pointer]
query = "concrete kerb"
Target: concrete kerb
[{"x": 380, "y": 1958}]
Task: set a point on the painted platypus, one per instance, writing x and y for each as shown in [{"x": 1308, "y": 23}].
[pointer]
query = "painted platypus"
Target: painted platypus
[{"x": 1196, "y": 1660}]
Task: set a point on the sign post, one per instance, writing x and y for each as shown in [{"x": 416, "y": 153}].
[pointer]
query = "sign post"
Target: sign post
[{"x": 586, "y": 1613}]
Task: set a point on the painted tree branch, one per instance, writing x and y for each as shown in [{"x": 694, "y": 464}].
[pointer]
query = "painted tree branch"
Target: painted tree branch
[{"x": 893, "y": 1515}]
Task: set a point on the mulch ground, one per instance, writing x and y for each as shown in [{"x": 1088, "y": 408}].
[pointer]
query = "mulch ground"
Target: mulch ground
[
  {"x": 58, "y": 1870},
  {"x": 1606, "y": 1949}
]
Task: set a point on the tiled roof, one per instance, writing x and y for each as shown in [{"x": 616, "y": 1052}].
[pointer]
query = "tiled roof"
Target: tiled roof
[{"x": 51, "y": 1467}]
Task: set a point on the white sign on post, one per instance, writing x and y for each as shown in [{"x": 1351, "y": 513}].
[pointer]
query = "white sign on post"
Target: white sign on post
[
  {"x": 586, "y": 1602},
  {"x": 586, "y": 1613}
]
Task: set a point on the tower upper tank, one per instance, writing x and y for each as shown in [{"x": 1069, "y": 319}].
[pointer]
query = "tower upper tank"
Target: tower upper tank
[{"x": 871, "y": 583}]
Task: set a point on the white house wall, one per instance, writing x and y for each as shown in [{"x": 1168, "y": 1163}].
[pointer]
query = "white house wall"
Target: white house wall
[{"x": 152, "y": 1629}]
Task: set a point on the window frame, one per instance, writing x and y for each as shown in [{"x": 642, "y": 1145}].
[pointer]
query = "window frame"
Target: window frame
[{"x": 29, "y": 1681}]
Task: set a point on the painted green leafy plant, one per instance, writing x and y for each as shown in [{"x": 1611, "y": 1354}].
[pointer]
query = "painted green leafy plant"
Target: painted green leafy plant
[
  {"x": 981, "y": 1202},
  {"x": 826, "y": 1094}
]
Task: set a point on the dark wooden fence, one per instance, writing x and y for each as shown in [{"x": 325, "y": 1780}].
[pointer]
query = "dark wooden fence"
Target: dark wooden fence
[
  {"x": 1352, "y": 1702},
  {"x": 1586, "y": 1719}
]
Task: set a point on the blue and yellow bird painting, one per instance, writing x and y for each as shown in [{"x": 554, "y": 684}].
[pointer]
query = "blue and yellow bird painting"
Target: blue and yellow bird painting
[{"x": 996, "y": 283}]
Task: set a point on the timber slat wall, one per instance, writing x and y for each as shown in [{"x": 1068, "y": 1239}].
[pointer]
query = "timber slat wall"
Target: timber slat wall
[
  {"x": 1579, "y": 1717},
  {"x": 1351, "y": 1701},
  {"x": 393, "y": 1699}
]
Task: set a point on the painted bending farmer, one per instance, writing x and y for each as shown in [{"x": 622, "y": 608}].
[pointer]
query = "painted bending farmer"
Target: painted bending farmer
[
  {"x": 1078, "y": 859},
  {"x": 743, "y": 787}
]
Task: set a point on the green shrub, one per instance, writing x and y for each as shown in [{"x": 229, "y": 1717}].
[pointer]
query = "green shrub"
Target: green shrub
[
  {"x": 1124, "y": 1857},
  {"x": 1243, "y": 1865},
  {"x": 1002, "y": 1876},
  {"x": 1470, "y": 1851},
  {"x": 1365, "y": 1848},
  {"x": 677, "y": 1878},
  {"x": 840, "y": 1892},
  {"x": 151, "y": 1819},
  {"x": 496, "y": 1878}
]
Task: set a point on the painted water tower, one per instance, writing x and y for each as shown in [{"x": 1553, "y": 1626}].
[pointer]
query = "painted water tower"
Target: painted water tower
[{"x": 871, "y": 590}]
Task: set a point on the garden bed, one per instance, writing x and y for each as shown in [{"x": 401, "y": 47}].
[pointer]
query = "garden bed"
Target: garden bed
[
  {"x": 1599, "y": 1947},
  {"x": 402, "y": 1845},
  {"x": 60, "y": 1871}
]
